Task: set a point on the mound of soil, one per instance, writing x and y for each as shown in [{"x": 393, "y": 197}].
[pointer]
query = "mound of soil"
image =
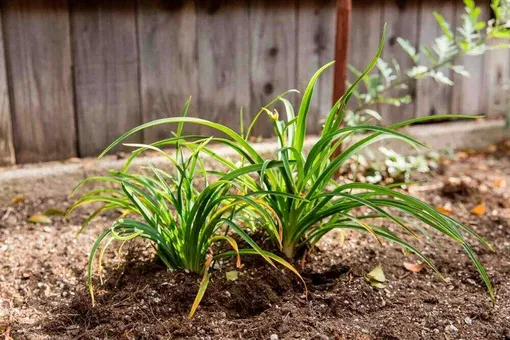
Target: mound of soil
[{"x": 44, "y": 295}]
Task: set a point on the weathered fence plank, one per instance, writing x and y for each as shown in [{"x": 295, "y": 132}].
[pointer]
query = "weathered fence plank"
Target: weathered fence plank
[
  {"x": 366, "y": 31},
  {"x": 106, "y": 72},
  {"x": 273, "y": 55},
  {"x": 316, "y": 47},
  {"x": 402, "y": 20},
  {"x": 496, "y": 74},
  {"x": 223, "y": 61},
  {"x": 6, "y": 145},
  {"x": 434, "y": 97},
  {"x": 467, "y": 93},
  {"x": 168, "y": 61},
  {"x": 39, "y": 62},
  {"x": 138, "y": 62}
]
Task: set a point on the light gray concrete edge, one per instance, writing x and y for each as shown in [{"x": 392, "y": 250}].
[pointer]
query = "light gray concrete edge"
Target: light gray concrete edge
[{"x": 57, "y": 179}]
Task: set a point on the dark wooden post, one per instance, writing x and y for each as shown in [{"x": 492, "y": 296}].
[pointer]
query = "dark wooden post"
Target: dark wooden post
[{"x": 343, "y": 24}]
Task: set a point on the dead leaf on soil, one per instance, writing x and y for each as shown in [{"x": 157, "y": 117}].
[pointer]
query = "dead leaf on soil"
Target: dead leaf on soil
[
  {"x": 54, "y": 212},
  {"x": 481, "y": 167},
  {"x": 255, "y": 139},
  {"x": 414, "y": 267},
  {"x": 39, "y": 219},
  {"x": 461, "y": 155},
  {"x": 444, "y": 210},
  {"x": 232, "y": 275},
  {"x": 479, "y": 210},
  {"x": 18, "y": 199},
  {"x": 376, "y": 277},
  {"x": 499, "y": 182}
]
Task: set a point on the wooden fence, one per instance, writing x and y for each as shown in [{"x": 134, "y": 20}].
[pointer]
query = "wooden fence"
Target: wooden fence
[{"x": 76, "y": 74}]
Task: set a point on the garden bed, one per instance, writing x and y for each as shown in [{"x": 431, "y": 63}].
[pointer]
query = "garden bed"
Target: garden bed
[{"x": 44, "y": 294}]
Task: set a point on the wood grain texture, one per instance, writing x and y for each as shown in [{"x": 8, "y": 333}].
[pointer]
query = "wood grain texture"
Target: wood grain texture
[
  {"x": 223, "y": 61},
  {"x": 469, "y": 94},
  {"x": 167, "y": 41},
  {"x": 38, "y": 53},
  {"x": 316, "y": 46},
  {"x": 273, "y": 41},
  {"x": 366, "y": 32},
  {"x": 342, "y": 35},
  {"x": 402, "y": 21},
  {"x": 434, "y": 97},
  {"x": 6, "y": 144},
  {"x": 105, "y": 72},
  {"x": 496, "y": 76}
]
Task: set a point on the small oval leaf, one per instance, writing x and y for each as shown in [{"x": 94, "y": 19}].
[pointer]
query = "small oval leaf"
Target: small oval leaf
[
  {"x": 39, "y": 219},
  {"x": 479, "y": 210},
  {"x": 232, "y": 275}
]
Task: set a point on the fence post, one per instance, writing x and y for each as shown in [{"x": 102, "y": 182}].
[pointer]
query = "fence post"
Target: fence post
[{"x": 343, "y": 23}]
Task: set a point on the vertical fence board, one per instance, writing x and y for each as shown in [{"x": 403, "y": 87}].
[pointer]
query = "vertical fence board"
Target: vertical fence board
[
  {"x": 469, "y": 93},
  {"x": 138, "y": 63},
  {"x": 6, "y": 145},
  {"x": 168, "y": 61},
  {"x": 223, "y": 61},
  {"x": 273, "y": 55},
  {"x": 402, "y": 20},
  {"x": 316, "y": 47},
  {"x": 106, "y": 72},
  {"x": 433, "y": 97},
  {"x": 365, "y": 35},
  {"x": 366, "y": 30},
  {"x": 39, "y": 63},
  {"x": 496, "y": 75}
]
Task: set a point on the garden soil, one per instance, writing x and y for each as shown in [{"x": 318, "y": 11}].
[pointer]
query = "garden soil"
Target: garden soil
[{"x": 44, "y": 295}]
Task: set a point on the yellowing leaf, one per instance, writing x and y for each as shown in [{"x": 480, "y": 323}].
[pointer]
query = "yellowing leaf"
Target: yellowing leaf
[
  {"x": 444, "y": 210},
  {"x": 376, "y": 277},
  {"x": 414, "y": 267},
  {"x": 377, "y": 284},
  {"x": 54, "y": 212},
  {"x": 232, "y": 275},
  {"x": 18, "y": 199},
  {"x": 479, "y": 210},
  {"x": 39, "y": 219}
]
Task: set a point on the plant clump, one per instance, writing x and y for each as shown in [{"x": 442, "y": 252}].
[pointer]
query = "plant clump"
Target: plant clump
[{"x": 291, "y": 196}]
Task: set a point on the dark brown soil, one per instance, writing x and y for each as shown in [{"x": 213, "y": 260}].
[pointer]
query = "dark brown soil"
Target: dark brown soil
[{"x": 43, "y": 291}]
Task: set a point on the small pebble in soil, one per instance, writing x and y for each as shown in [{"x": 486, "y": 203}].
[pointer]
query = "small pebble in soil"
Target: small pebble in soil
[
  {"x": 468, "y": 321},
  {"x": 273, "y": 337},
  {"x": 451, "y": 329}
]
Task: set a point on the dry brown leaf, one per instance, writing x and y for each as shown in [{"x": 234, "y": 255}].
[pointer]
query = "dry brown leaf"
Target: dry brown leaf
[
  {"x": 482, "y": 167},
  {"x": 499, "y": 182},
  {"x": 461, "y": 155},
  {"x": 18, "y": 199},
  {"x": 255, "y": 139},
  {"x": 479, "y": 210},
  {"x": 444, "y": 210},
  {"x": 414, "y": 267}
]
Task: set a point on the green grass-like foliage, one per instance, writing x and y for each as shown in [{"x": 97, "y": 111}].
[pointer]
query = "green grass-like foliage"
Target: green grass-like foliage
[
  {"x": 181, "y": 217},
  {"x": 298, "y": 187}
]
